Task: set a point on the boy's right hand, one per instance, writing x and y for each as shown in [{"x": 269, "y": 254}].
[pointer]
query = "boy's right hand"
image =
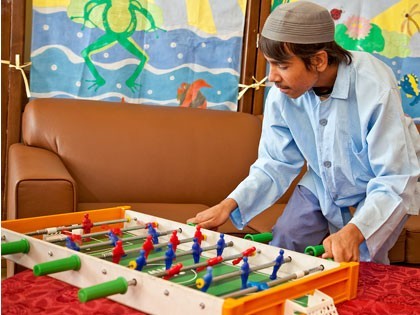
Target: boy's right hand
[{"x": 215, "y": 216}]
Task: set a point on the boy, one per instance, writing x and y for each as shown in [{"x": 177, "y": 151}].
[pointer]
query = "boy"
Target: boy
[{"x": 341, "y": 113}]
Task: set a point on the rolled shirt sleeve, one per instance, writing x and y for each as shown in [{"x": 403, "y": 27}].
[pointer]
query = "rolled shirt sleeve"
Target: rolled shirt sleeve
[
  {"x": 279, "y": 162},
  {"x": 391, "y": 193}
]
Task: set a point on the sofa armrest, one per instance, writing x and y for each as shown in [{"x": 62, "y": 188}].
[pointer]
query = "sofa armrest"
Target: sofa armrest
[{"x": 38, "y": 183}]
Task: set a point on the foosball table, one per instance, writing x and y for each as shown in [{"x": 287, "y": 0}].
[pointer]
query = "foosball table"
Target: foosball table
[{"x": 160, "y": 266}]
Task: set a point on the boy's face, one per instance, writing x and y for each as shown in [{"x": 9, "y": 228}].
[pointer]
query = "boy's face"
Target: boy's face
[{"x": 291, "y": 76}]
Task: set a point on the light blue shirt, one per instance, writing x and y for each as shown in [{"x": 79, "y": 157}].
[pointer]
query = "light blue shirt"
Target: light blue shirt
[{"x": 358, "y": 149}]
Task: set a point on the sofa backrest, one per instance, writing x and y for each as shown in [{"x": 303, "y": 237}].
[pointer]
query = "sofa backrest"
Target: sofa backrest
[{"x": 119, "y": 152}]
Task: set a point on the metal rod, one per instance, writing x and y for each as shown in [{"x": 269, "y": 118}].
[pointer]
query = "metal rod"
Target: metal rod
[
  {"x": 127, "y": 239},
  {"x": 63, "y": 237},
  {"x": 189, "y": 252},
  {"x": 251, "y": 269},
  {"x": 203, "y": 264},
  {"x": 72, "y": 227},
  {"x": 272, "y": 283},
  {"x": 128, "y": 251}
]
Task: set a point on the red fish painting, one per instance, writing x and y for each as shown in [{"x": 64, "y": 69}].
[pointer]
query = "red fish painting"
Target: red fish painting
[{"x": 189, "y": 95}]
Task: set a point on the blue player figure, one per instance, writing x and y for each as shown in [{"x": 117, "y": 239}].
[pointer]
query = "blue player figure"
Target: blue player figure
[
  {"x": 279, "y": 262},
  {"x": 70, "y": 243},
  {"x": 245, "y": 272},
  {"x": 169, "y": 256},
  {"x": 221, "y": 244},
  {"x": 196, "y": 250},
  {"x": 141, "y": 261},
  {"x": 113, "y": 238},
  {"x": 208, "y": 277},
  {"x": 154, "y": 234}
]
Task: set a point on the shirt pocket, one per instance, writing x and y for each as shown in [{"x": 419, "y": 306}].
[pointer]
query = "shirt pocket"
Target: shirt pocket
[{"x": 360, "y": 164}]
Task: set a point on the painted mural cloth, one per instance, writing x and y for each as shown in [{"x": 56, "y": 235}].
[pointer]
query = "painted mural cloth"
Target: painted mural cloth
[
  {"x": 388, "y": 29},
  {"x": 165, "y": 52}
]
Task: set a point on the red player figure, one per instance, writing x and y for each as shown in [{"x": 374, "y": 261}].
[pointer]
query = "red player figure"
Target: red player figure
[
  {"x": 173, "y": 271},
  {"x": 198, "y": 234},
  {"x": 148, "y": 245},
  {"x": 118, "y": 252},
  {"x": 174, "y": 240},
  {"x": 117, "y": 231},
  {"x": 246, "y": 253},
  {"x": 74, "y": 237},
  {"x": 86, "y": 225},
  {"x": 154, "y": 224},
  {"x": 211, "y": 262}
]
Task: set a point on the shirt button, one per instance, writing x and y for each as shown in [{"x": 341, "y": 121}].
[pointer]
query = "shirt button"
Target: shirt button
[
  {"x": 327, "y": 164},
  {"x": 323, "y": 122}
]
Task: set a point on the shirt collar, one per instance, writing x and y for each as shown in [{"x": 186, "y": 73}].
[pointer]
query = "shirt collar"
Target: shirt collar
[{"x": 342, "y": 82}]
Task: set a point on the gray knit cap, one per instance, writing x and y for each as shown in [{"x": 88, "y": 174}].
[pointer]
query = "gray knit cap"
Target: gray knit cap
[{"x": 299, "y": 22}]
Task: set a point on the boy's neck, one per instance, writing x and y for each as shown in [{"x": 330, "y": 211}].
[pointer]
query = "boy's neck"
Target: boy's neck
[{"x": 326, "y": 81}]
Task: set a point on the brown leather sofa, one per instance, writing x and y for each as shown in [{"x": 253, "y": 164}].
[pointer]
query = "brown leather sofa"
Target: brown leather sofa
[{"x": 171, "y": 162}]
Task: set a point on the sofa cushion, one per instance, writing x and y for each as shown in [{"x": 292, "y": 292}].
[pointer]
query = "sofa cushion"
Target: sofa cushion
[{"x": 119, "y": 152}]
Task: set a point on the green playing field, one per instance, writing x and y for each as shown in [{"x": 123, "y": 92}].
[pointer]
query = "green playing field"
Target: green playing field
[{"x": 187, "y": 277}]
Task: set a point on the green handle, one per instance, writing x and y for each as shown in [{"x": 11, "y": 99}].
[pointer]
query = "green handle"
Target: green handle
[
  {"x": 105, "y": 289},
  {"x": 316, "y": 250},
  {"x": 260, "y": 238},
  {"x": 21, "y": 246},
  {"x": 69, "y": 263}
]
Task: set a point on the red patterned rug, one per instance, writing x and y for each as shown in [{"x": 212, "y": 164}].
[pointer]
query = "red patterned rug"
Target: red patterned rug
[{"x": 382, "y": 290}]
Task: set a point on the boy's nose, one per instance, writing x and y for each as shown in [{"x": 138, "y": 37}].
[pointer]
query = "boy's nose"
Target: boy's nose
[{"x": 273, "y": 75}]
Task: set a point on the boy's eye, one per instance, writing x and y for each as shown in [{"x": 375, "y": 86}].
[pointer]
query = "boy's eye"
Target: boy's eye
[{"x": 282, "y": 66}]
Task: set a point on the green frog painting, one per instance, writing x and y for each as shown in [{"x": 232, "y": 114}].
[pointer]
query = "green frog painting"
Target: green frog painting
[{"x": 119, "y": 19}]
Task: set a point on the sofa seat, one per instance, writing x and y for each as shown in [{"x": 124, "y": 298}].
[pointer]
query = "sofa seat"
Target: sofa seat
[{"x": 412, "y": 244}]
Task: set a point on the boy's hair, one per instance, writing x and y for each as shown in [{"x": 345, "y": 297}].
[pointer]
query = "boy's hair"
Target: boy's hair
[{"x": 282, "y": 51}]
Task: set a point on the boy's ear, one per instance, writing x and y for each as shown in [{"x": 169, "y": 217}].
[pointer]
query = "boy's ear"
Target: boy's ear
[{"x": 320, "y": 60}]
